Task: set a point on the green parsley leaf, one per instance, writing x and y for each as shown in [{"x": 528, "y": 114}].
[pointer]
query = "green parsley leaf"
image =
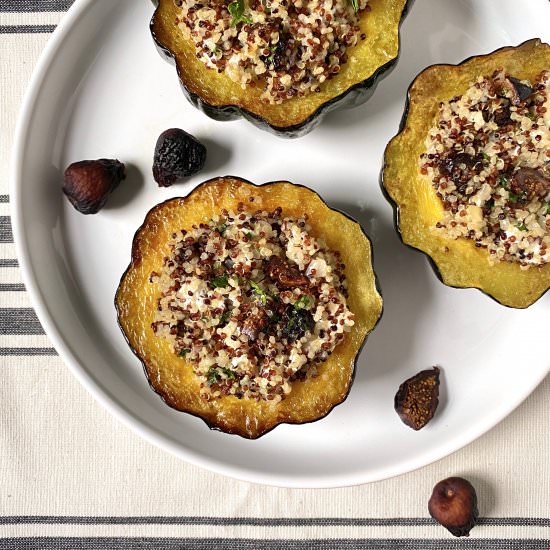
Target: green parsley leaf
[
  {"x": 213, "y": 376},
  {"x": 259, "y": 292},
  {"x": 249, "y": 235},
  {"x": 183, "y": 352},
  {"x": 547, "y": 208},
  {"x": 228, "y": 372},
  {"x": 302, "y": 303},
  {"x": 489, "y": 204},
  {"x": 273, "y": 50},
  {"x": 521, "y": 226},
  {"x": 219, "y": 282},
  {"x": 485, "y": 156},
  {"x": 225, "y": 317},
  {"x": 354, "y": 5},
  {"x": 222, "y": 228},
  {"x": 513, "y": 197},
  {"x": 504, "y": 181},
  {"x": 236, "y": 10}
]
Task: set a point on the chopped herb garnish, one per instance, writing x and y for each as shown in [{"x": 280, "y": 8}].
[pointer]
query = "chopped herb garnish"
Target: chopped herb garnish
[
  {"x": 259, "y": 291},
  {"x": 224, "y": 317},
  {"x": 249, "y": 234},
  {"x": 214, "y": 376},
  {"x": 273, "y": 50},
  {"x": 485, "y": 156},
  {"x": 236, "y": 10},
  {"x": 302, "y": 303},
  {"x": 503, "y": 181},
  {"x": 222, "y": 228},
  {"x": 354, "y": 5},
  {"x": 228, "y": 372},
  {"x": 521, "y": 226},
  {"x": 489, "y": 204},
  {"x": 220, "y": 282},
  {"x": 183, "y": 352},
  {"x": 513, "y": 197}
]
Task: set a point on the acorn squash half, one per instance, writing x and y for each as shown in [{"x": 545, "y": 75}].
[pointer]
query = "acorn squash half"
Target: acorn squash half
[
  {"x": 222, "y": 99},
  {"x": 458, "y": 263},
  {"x": 172, "y": 377}
]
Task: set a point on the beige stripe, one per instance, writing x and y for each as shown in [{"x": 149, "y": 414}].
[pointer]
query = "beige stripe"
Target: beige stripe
[
  {"x": 36, "y": 341},
  {"x": 16, "y": 18},
  {"x": 293, "y": 533}
]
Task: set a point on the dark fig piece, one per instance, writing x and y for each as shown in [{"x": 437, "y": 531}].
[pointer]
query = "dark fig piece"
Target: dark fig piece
[
  {"x": 282, "y": 273},
  {"x": 88, "y": 183},
  {"x": 453, "y": 504},
  {"x": 417, "y": 398},
  {"x": 529, "y": 183},
  {"x": 178, "y": 155},
  {"x": 502, "y": 117},
  {"x": 296, "y": 322},
  {"x": 522, "y": 90}
]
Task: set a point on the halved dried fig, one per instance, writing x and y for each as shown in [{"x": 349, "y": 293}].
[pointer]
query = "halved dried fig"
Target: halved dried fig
[{"x": 417, "y": 398}]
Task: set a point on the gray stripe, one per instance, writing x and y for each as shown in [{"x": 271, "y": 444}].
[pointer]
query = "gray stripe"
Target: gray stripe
[
  {"x": 4, "y": 198},
  {"x": 141, "y": 543},
  {"x": 25, "y": 352},
  {"x": 256, "y": 522},
  {"x": 6, "y": 236},
  {"x": 9, "y": 262},
  {"x": 34, "y": 5},
  {"x": 12, "y": 287},
  {"x": 26, "y": 29},
  {"x": 19, "y": 321}
]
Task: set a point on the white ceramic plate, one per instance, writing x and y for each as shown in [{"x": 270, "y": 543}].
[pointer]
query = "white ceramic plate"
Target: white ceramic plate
[{"x": 102, "y": 90}]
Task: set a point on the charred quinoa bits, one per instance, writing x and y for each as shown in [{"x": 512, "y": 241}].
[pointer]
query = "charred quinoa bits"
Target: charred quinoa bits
[
  {"x": 253, "y": 301},
  {"x": 488, "y": 157},
  {"x": 288, "y": 47}
]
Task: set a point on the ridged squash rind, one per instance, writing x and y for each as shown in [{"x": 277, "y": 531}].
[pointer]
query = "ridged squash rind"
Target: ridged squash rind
[
  {"x": 222, "y": 99},
  {"x": 172, "y": 377},
  {"x": 458, "y": 263}
]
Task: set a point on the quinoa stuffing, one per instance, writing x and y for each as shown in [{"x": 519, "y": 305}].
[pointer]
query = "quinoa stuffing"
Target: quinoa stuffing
[
  {"x": 253, "y": 301},
  {"x": 288, "y": 47},
  {"x": 488, "y": 158}
]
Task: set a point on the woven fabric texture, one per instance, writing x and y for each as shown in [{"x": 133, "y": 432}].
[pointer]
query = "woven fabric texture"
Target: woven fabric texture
[{"x": 72, "y": 477}]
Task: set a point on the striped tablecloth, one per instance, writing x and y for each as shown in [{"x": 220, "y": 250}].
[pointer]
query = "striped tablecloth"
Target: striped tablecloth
[{"x": 73, "y": 477}]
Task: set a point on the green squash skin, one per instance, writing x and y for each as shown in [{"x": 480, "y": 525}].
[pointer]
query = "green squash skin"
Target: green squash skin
[
  {"x": 395, "y": 205},
  {"x": 211, "y": 425},
  {"x": 354, "y": 96}
]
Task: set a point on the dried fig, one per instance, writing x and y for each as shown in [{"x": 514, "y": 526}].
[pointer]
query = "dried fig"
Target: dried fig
[
  {"x": 88, "y": 183},
  {"x": 417, "y": 398},
  {"x": 454, "y": 505},
  {"x": 177, "y": 155}
]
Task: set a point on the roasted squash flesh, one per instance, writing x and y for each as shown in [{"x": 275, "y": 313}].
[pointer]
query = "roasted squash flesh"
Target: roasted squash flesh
[
  {"x": 221, "y": 98},
  {"x": 458, "y": 262},
  {"x": 173, "y": 378}
]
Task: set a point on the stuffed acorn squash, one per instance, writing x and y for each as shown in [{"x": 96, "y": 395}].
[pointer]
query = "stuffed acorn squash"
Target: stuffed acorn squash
[
  {"x": 272, "y": 81},
  {"x": 469, "y": 172},
  {"x": 248, "y": 305}
]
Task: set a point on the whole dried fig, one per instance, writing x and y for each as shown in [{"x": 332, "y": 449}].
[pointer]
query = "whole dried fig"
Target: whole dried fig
[
  {"x": 177, "y": 155},
  {"x": 88, "y": 183},
  {"x": 453, "y": 504}
]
